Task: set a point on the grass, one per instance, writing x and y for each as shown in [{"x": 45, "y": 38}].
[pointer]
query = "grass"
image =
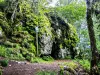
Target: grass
[
  {"x": 46, "y": 73},
  {"x": 2, "y": 51},
  {"x": 39, "y": 60},
  {"x": 47, "y": 58}
]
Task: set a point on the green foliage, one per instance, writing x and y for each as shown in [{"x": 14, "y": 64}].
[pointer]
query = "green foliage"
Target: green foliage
[
  {"x": 72, "y": 41},
  {"x": 32, "y": 48},
  {"x": 2, "y": 51},
  {"x": 1, "y": 0},
  {"x": 30, "y": 56},
  {"x": 72, "y": 38},
  {"x": 70, "y": 68},
  {"x": 4, "y": 62},
  {"x": 99, "y": 66},
  {"x": 85, "y": 64},
  {"x": 2, "y": 4},
  {"x": 46, "y": 73},
  {"x": 37, "y": 60},
  {"x": 73, "y": 11},
  {"x": 61, "y": 72},
  {"x": 47, "y": 58},
  {"x": 68, "y": 57},
  {"x": 96, "y": 22},
  {"x": 72, "y": 65},
  {"x": 18, "y": 23}
]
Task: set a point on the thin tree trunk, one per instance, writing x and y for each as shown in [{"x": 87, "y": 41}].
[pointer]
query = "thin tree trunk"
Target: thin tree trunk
[{"x": 94, "y": 68}]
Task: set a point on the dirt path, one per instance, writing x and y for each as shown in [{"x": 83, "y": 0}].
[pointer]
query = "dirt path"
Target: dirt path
[{"x": 25, "y": 68}]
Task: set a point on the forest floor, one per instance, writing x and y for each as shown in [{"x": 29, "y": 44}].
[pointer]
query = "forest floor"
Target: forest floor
[{"x": 26, "y": 68}]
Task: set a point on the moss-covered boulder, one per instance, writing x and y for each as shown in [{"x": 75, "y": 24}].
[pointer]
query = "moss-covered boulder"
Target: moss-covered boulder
[
  {"x": 17, "y": 24},
  {"x": 64, "y": 37}
]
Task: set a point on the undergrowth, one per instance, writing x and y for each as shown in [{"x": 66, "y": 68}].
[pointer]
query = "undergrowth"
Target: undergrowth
[
  {"x": 46, "y": 73},
  {"x": 84, "y": 63}
]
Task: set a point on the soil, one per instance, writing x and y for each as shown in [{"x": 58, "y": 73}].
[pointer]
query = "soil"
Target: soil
[{"x": 26, "y": 68}]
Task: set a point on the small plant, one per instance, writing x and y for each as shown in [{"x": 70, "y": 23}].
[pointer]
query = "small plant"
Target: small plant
[
  {"x": 37, "y": 60},
  {"x": 4, "y": 63},
  {"x": 2, "y": 51},
  {"x": 67, "y": 68},
  {"x": 46, "y": 73},
  {"x": 47, "y": 58},
  {"x": 85, "y": 64},
  {"x": 61, "y": 72},
  {"x": 71, "y": 65}
]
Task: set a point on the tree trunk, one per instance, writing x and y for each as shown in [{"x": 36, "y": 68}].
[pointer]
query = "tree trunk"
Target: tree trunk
[{"x": 94, "y": 68}]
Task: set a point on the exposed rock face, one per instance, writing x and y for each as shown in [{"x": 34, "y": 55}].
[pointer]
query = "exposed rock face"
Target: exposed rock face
[
  {"x": 1, "y": 37},
  {"x": 0, "y": 33},
  {"x": 51, "y": 44},
  {"x": 60, "y": 28},
  {"x": 46, "y": 44},
  {"x": 62, "y": 41}
]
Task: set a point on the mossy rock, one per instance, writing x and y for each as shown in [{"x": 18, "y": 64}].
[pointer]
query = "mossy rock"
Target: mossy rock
[{"x": 68, "y": 68}]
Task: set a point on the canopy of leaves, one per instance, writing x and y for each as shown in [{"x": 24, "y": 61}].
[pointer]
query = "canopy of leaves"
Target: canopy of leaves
[{"x": 73, "y": 11}]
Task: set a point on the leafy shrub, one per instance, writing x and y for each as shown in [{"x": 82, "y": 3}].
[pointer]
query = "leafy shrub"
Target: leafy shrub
[
  {"x": 37, "y": 60},
  {"x": 4, "y": 63},
  {"x": 71, "y": 65},
  {"x": 32, "y": 48},
  {"x": 2, "y": 51},
  {"x": 17, "y": 56},
  {"x": 8, "y": 44},
  {"x": 70, "y": 68},
  {"x": 14, "y": 53},
  {"x": 85, "y": 64},
  {"x": 47, "y": 58},
  {"x": 61, "y": 72},
  {"x": 68, "y": 57},
  {"x": 30, "y": 56}
]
